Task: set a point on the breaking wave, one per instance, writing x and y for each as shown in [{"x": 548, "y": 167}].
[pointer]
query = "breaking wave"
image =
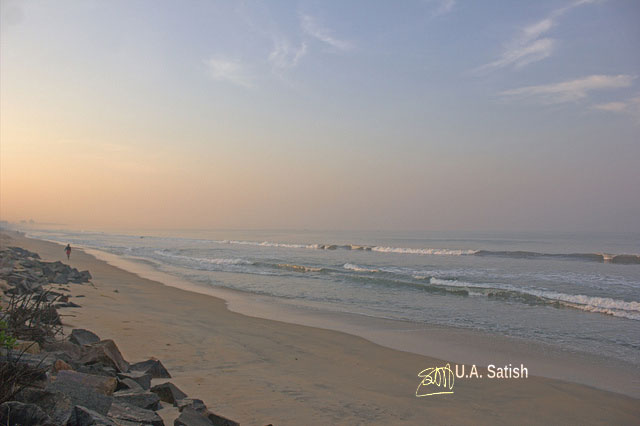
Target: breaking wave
[
  {"x": 357, "y": 268},
  {"x": 298, "y": 268},
  {"x": 627, "y": 259},
  {"x": 426, "y": 251},
  {"x": 214, "y": 261},
  {"x": 603, "y": 305}
]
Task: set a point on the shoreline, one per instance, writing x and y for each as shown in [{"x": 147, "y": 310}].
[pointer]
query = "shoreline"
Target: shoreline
[
  {"x": 457, "y": 345},
  {"x": 293, "y": 374}
]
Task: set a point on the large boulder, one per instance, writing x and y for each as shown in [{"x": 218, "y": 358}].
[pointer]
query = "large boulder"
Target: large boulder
[
  {"x": 82, "y": 416},
  {"x": 142, "y": 378},
  {"x": 139, "y": 398},
  {"x": 217, "y": 420},
  {"x": 129, "y": 384},
  {"x": 191, "y": 417},
  {"x": 131, "y": 413},
  {"x": 193, "y": 403},
  {"x": 71, "y": 350},
  {"x": 168, "y": 392},
  {"x": 60, "y": 278},
  {"x": 105, "y": 352},
  {"x": 27, "y": 346},
  {"x": 56, "y": 405},
  {"x": 102, "y": 384},
  {"x": 152, "y": 366},
  {"x": 14, "y": 413},
  {"x": 81, "y": 337},
  {"x": 50, "y": 316},
  {"x": 81, "y": 394}
]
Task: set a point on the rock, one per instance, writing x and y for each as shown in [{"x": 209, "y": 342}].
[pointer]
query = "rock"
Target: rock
[
  {"x": 153, "y": 367},
  {"x": 217, "y": 420},
  {"x": 129, "y": 384},
  {"x": 168, "y": 392},
  {"x": 86, "y": 276},
  {"x": 106, "y": 352},
  {"x": 4, "y": 285},
  {"x": 191, "y": 417},
  {"x": 41, "y": 361},
  {"x": 130, "y": 413},
  {"x": 97, "y": 369},
  {"x": 139, "y": 398},
  {"x": 68, "y": 348},
  {"x": 66, "y": 305},
  {"x": 27, "y": 346},
  {"x": 14, "y": 413},
  {"x": 60, "y": 365},
  {"x": 81, "y": 337},
  {"x": 80, "y": 394},
  {"x": 82, "y": 416},
  {"x": 143, "y": 379},
  {"x": 193, "y": 403},
  {"x": 60, "y": 278},
  {"x": 50, "y": 316},
  {"x": 56, "y": 405},
  {"x": 101, "y": 384}
]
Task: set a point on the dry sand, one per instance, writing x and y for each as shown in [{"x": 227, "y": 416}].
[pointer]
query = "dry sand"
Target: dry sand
[{"x": 258, "y": 371}]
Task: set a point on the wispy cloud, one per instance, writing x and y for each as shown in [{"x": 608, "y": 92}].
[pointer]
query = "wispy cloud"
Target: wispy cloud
[
  {"x": 311, "y": 27},
  {"x": 612, "y": 106},
  {"x": 529, "y": 45},
  {"x": 629, "y": 107},
  {"x": 284, "y": 55},
  {"x": 572, "y": 90},
  {"x": 222, "y": 69},
  {"x": 444, "y": 7}
]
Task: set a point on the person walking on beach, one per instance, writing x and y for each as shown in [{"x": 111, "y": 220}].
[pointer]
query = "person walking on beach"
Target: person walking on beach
[{"x": 67, "y": 249}]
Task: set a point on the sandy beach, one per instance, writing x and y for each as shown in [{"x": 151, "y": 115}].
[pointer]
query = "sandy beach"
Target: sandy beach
[{"x": 259, "y": 371}]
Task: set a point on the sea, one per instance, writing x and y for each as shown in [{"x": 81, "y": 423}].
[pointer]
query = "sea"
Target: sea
[{"x": 577, "y": 292}]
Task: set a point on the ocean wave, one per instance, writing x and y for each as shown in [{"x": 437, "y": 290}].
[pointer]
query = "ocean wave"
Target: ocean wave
[
  {"x": 628, "y": 259},
  {"x": 264, "y": 244},
  {"x": 213, "y": 261},
  {"x": 424, "y": 251},
  {"x": 358, "y": 268},
  {"x": 298, "y": 268},
  {"x": 603, "y": 305}
]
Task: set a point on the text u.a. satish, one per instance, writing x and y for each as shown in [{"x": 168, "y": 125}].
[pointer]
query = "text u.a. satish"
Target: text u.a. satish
[{"x": 493, "y": 372}]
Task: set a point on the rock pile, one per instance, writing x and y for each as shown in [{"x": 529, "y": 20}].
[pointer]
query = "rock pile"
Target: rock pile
[
  {"x": 23, "y": 272},
  {"x": 83, "y": 380}
]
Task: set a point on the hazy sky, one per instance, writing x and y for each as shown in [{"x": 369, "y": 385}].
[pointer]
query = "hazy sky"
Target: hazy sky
[{"x": 432, "y": 115}]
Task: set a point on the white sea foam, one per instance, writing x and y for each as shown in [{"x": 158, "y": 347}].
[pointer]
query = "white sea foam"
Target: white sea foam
[
  {"x": 603, "y": 305},
  {"x": 213, "y": 261},
  {"x": 298, "y": 268},
  {"x": 424, "y": 251},
  {"x": 265, "y": 244},
  {"x": 358, "y": 268}
]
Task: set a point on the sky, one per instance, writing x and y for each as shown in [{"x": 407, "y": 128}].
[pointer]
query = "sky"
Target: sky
[{"x": 359, "y": 114}]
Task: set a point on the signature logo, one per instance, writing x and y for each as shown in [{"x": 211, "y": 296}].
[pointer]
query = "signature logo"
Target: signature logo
[{"x": 435, "y": 381}]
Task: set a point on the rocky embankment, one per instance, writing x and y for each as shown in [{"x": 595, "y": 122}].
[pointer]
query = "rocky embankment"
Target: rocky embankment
[{"x": 47, "y": 378}]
